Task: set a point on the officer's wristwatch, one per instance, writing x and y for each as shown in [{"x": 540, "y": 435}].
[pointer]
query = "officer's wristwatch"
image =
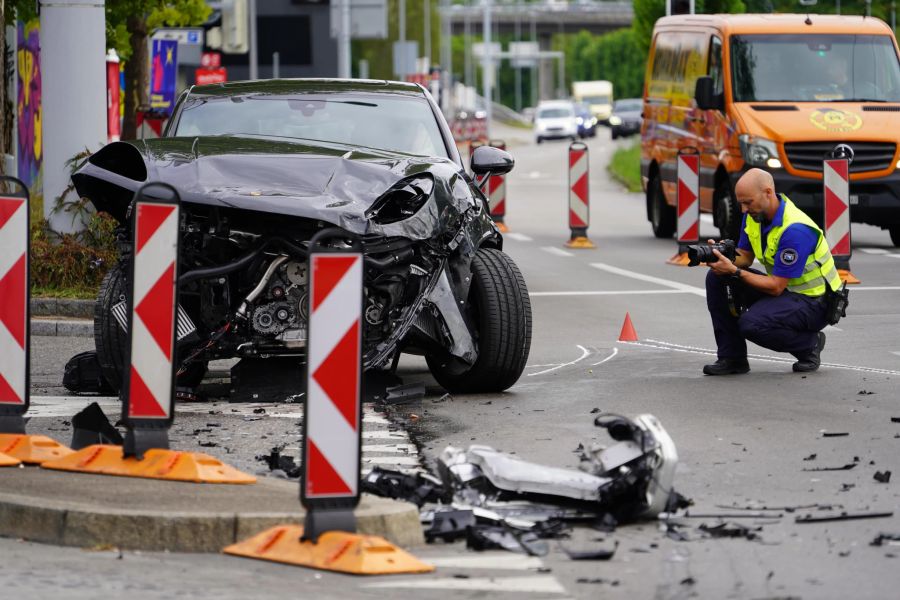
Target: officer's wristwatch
[{"x": 736, "y": 276}]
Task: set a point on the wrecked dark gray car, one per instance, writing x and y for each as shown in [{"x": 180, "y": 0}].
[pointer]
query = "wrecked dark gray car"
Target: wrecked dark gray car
[{"x": 263, "y": 166}]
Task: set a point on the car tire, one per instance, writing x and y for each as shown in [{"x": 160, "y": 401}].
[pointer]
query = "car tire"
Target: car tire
[
  {"x": 111, "y": 340},
  {"x": 662, "y": 216},
  {"x": 894, "y": 230},
  {"x": 539, "y": 139},
  {"x": 501, "y": 310},
  {"x": 728, "y": 213},
  {"x": 614, "y": 134}
]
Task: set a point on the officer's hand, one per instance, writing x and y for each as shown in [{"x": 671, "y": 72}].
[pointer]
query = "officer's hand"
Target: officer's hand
[{"x": 723, "y": 266}]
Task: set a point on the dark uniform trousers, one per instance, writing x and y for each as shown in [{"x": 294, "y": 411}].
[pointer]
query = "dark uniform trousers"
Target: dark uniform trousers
[{"x": 785, "y": 323}]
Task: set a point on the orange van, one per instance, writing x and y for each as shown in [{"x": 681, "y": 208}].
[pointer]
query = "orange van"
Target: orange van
[{"x": 780, "y": 92}]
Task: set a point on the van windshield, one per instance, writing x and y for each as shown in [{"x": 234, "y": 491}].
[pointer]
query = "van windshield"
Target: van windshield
[
  {"x": 597, "y": 99},
  {"x": 814, "y": 68}
]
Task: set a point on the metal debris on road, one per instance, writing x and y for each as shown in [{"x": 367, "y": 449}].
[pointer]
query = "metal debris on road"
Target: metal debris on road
[
  {"x": 730, "y": 530},
  {"x": 835, "y": 433},
  {"x": 846, "y": 467},
  {"x": 449, "y": 525},
  {"x": 844, "y": 516},
  {"x": 883, "y": 539},
  {"x": 592, "y": 554},
  {"x": 882, "y": 476},
  {"x": 278, "y": 462},
  {"x": 417, "y": 488},
  {"x": 491, "y": 537},
  {"x": 91, "y": 426}
]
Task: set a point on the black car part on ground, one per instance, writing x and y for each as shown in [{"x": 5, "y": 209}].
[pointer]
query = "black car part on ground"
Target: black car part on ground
[
  {"x": 415, "y": 488},
  {"x": 91, "y": 426},
  {"x": 436, "y": 280}
]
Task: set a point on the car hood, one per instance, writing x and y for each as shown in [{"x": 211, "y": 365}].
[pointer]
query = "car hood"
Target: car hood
[
  {"x": 813, "y": 121},
  {"x": 317, "y": 180}
]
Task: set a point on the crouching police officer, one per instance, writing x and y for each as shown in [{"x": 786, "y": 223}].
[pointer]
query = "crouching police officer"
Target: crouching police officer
[{"x": 784, "y": 309}]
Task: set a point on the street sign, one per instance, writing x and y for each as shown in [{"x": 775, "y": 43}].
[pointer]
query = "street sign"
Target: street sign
[
  {"x": 211, "y": 60},
  {"x": 405, "y": 54},
  {"x": 368, "y": 19},
  {"x": 478, "y": 50},
  {"x": 186, "y": 36},
  {"x": 524, "y": 55},
  {"x": 208, "y": 76}
]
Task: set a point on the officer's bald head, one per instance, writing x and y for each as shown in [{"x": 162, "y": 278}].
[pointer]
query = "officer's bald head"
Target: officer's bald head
[{"x": 755, "y": 182}]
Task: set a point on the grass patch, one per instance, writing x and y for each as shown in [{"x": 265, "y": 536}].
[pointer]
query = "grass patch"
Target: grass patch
[
  {"x": 625, "y": 167},
  {"x": 70, "y": 293}
]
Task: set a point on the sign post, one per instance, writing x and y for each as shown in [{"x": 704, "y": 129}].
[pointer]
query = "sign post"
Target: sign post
[
  {"x": 579, "y": 197},
  {"x": 836, "y": 206},
  {"x": 687, "y": 204},
  {"x": 332, "y": 428},
  {"x": 148, "y": 391},
  {"x": 15, "y": 336}
]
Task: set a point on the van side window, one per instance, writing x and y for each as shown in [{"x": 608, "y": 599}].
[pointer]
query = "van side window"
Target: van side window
[{"x": 715, "y": 65}]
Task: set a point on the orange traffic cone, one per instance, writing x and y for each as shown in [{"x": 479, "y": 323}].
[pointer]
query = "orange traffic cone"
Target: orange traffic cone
[{"x": 628, "y": 333}]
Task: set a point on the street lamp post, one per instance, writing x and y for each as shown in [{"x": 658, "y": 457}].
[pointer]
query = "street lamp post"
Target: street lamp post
[{"x": 487, "y": 70}]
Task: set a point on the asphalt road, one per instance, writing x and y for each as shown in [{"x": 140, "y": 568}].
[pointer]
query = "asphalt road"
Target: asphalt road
[{"x": 741, "y": 440}]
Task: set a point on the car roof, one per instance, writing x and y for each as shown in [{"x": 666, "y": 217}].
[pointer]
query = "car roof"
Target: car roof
[
  {"x": 307, "y": 86},
  {"x": 779, "y": 23}
]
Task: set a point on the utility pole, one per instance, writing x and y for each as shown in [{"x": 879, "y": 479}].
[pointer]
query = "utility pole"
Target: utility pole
[
  {"x": 467, "y": 52},
  {"x": 254, "y": 57},
  {"x": 487, "y": 70},
  {"x": 402, "y": 9},
  {"x": 344, "y": 41},
  {"x": 518, "y": 69},
  {"x": 446, "y": 57},
  {"x": 427, "y": 37}
]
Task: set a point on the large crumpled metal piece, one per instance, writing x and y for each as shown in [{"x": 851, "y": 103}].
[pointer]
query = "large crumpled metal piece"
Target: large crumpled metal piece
[{"x": 631, "y": 479}]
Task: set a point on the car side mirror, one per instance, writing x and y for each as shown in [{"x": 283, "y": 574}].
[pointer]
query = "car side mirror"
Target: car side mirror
[
  {"x": 487, "y": 159},
  {"x": 704, "y": 94}
]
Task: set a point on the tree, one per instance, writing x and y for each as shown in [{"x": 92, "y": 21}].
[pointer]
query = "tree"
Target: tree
[{"x": 128, "y": 25}]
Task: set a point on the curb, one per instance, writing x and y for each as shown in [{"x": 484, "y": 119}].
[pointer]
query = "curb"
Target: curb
[
  {"x": 62, "y": 327},
  {"x": 62, "y": 307},
  {"x": 83, "y": 525}
]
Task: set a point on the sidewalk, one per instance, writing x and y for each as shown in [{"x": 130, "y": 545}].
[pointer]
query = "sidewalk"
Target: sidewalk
[{"x": 76, "y": 509}]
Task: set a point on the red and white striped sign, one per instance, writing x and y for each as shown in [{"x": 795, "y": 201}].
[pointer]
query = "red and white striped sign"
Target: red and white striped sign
[
  {"x": 579, "y": 209},
  {"x": 334, "y": 371},
  {"x": 14, "y": 302},
  {"x": 837, "y": 205},
  {"x": 151, "y": 378},
  {"x": 497, "y": 190},
  {"x": 688, "y": 198}
]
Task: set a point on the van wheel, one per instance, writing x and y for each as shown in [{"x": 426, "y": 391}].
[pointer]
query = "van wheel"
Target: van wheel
[
  {"x": 662, "y": 216},
  {"x": 894, "y": 230},
  {"x": 728, "y": 214}
]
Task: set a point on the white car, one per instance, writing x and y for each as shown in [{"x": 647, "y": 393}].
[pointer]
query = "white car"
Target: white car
[{"x": 555, "y": 120}]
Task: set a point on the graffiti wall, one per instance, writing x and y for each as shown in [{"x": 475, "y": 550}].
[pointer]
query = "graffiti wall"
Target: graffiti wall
[{"x": 28, "y": 106}]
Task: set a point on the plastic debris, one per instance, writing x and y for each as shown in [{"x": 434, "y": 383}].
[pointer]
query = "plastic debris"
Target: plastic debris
[
  {"x": 490, "y": 537},
  {"x": 593, "y": 554},
  {"x": 416, "y": 488},
  {"x": 278, "y": 462},
  {"x": 730, "y": 530},
  {"x": 882, "y": 476},
  {"x": 885, "y": 539},
  {"x": 450, "y": 525},
  {"x": 835, "y": 433},
  {"x": 91, "y": 426},
  {"x": 846, "y": 467}
]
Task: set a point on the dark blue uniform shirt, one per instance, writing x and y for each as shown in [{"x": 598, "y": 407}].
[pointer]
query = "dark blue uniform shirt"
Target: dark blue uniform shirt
[{"x": 798, "y": 241}]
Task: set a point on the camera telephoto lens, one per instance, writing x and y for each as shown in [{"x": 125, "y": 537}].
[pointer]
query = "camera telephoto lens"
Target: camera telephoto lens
[{"x": 698, "y": 254}]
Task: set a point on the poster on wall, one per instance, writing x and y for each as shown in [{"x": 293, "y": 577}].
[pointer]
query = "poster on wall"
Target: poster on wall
[
  {"x": 28, "y": 106},
  {"x": 163, "y": 72}
]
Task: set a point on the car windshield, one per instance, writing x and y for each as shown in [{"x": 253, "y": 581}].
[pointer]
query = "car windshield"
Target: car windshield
[
  {"x": 554, "y": 113},
  {"x": 395, "y": 123},
  {"x": 629, "y": 105},
  {"x": 814, "y": 68}
]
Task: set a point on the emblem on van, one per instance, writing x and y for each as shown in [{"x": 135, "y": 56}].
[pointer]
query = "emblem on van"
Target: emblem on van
[
  {"x": 834, "y": 120},
  {"x": 843, "y": 151}
]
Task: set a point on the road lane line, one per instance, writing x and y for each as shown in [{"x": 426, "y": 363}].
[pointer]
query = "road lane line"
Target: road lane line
[
  {"x": 650, "y": 279},
  {"x": 584, "y": 353},
  {"x": 874, "y": 288},
  {"x": 540, "y": 584},
  {"x": 519, "y": 237},
  {"x": 874, "y": 250},
  {"x": 556, "y": 251},
  {"x": 387, "y": 461},
  {"x": 488, "y": 560},
  {"x": 614, "y": 352},
  {"x": 608, "y": 292},
  {"x": 660, "y": 345}
]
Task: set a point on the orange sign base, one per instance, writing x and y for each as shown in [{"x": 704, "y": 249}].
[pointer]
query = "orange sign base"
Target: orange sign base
[
  {"x": 847, "y": 276},
  {"x": 32, "y": 449},
  {"x": 679, "y": 260},
  {"x": 172, "y": 465},
  {"x": 8, "y": 461},
  {"x": 580, "y": 242},
  {"x": 501, "y": 226},
  {"x": 335, "y": 551}
]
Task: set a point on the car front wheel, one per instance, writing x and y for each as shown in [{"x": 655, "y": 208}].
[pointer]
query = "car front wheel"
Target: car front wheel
[
  {"x": 501, "y": 311},
  {"x": 662, "y": 216}
]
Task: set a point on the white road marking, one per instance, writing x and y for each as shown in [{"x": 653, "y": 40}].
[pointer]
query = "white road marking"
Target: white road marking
[
  {"x": 407, "y": 461},
  {"x": 874, "y": 250},
  {"x": 609, "y": 293},
  {"x": 706, "y": 218},
  {"x": 388, "y": 448},
  {"x": 660, "y": 345},
  {"x": 874, "y": 288},
  {"x": 541, "y": 584},
  {"x": 893, "y": 255},
  {"x": 556, "y": 251},
  {"x": 519, "y": 237},
  {"x": 610, "y": 357},
  {"x": 385, "y": 434},
  {"x": 650, "y": 279},
  {"x": 488, "y": 560},
  {"x": 584, "y": 353}
]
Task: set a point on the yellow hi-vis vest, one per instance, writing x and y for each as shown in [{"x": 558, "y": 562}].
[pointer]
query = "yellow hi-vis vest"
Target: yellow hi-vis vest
[{"x": 819, "y": 265}]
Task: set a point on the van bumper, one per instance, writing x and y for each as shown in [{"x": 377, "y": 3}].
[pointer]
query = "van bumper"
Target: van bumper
[{"x": 872, "y": 201}]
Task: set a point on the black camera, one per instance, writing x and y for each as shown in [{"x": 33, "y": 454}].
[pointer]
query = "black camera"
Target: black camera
[{"x": 703, "y": 253}]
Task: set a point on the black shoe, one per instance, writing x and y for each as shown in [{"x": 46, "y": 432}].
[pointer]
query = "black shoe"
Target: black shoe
[
  {"x": 727, "y": 366},
  {"x": 810, "y": 361}
]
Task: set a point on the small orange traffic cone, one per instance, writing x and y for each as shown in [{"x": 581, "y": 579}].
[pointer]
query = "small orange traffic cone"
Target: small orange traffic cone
[{"x": 628, "y": 333}]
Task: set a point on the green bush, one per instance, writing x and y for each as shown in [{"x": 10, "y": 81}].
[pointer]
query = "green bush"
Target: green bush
[{"x": 625, "y": 167}]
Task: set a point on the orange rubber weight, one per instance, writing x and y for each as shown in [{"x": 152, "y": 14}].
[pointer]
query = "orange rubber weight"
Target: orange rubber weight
[
  {"x": 580, "y": 242},
  {"x": 335, "y": 551},
  {"x": 32, "y": 449},
  {"x": 156, "y": 464},
  {"x": 8, "y": 461},
  {"x": 680, "y": 260}
]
